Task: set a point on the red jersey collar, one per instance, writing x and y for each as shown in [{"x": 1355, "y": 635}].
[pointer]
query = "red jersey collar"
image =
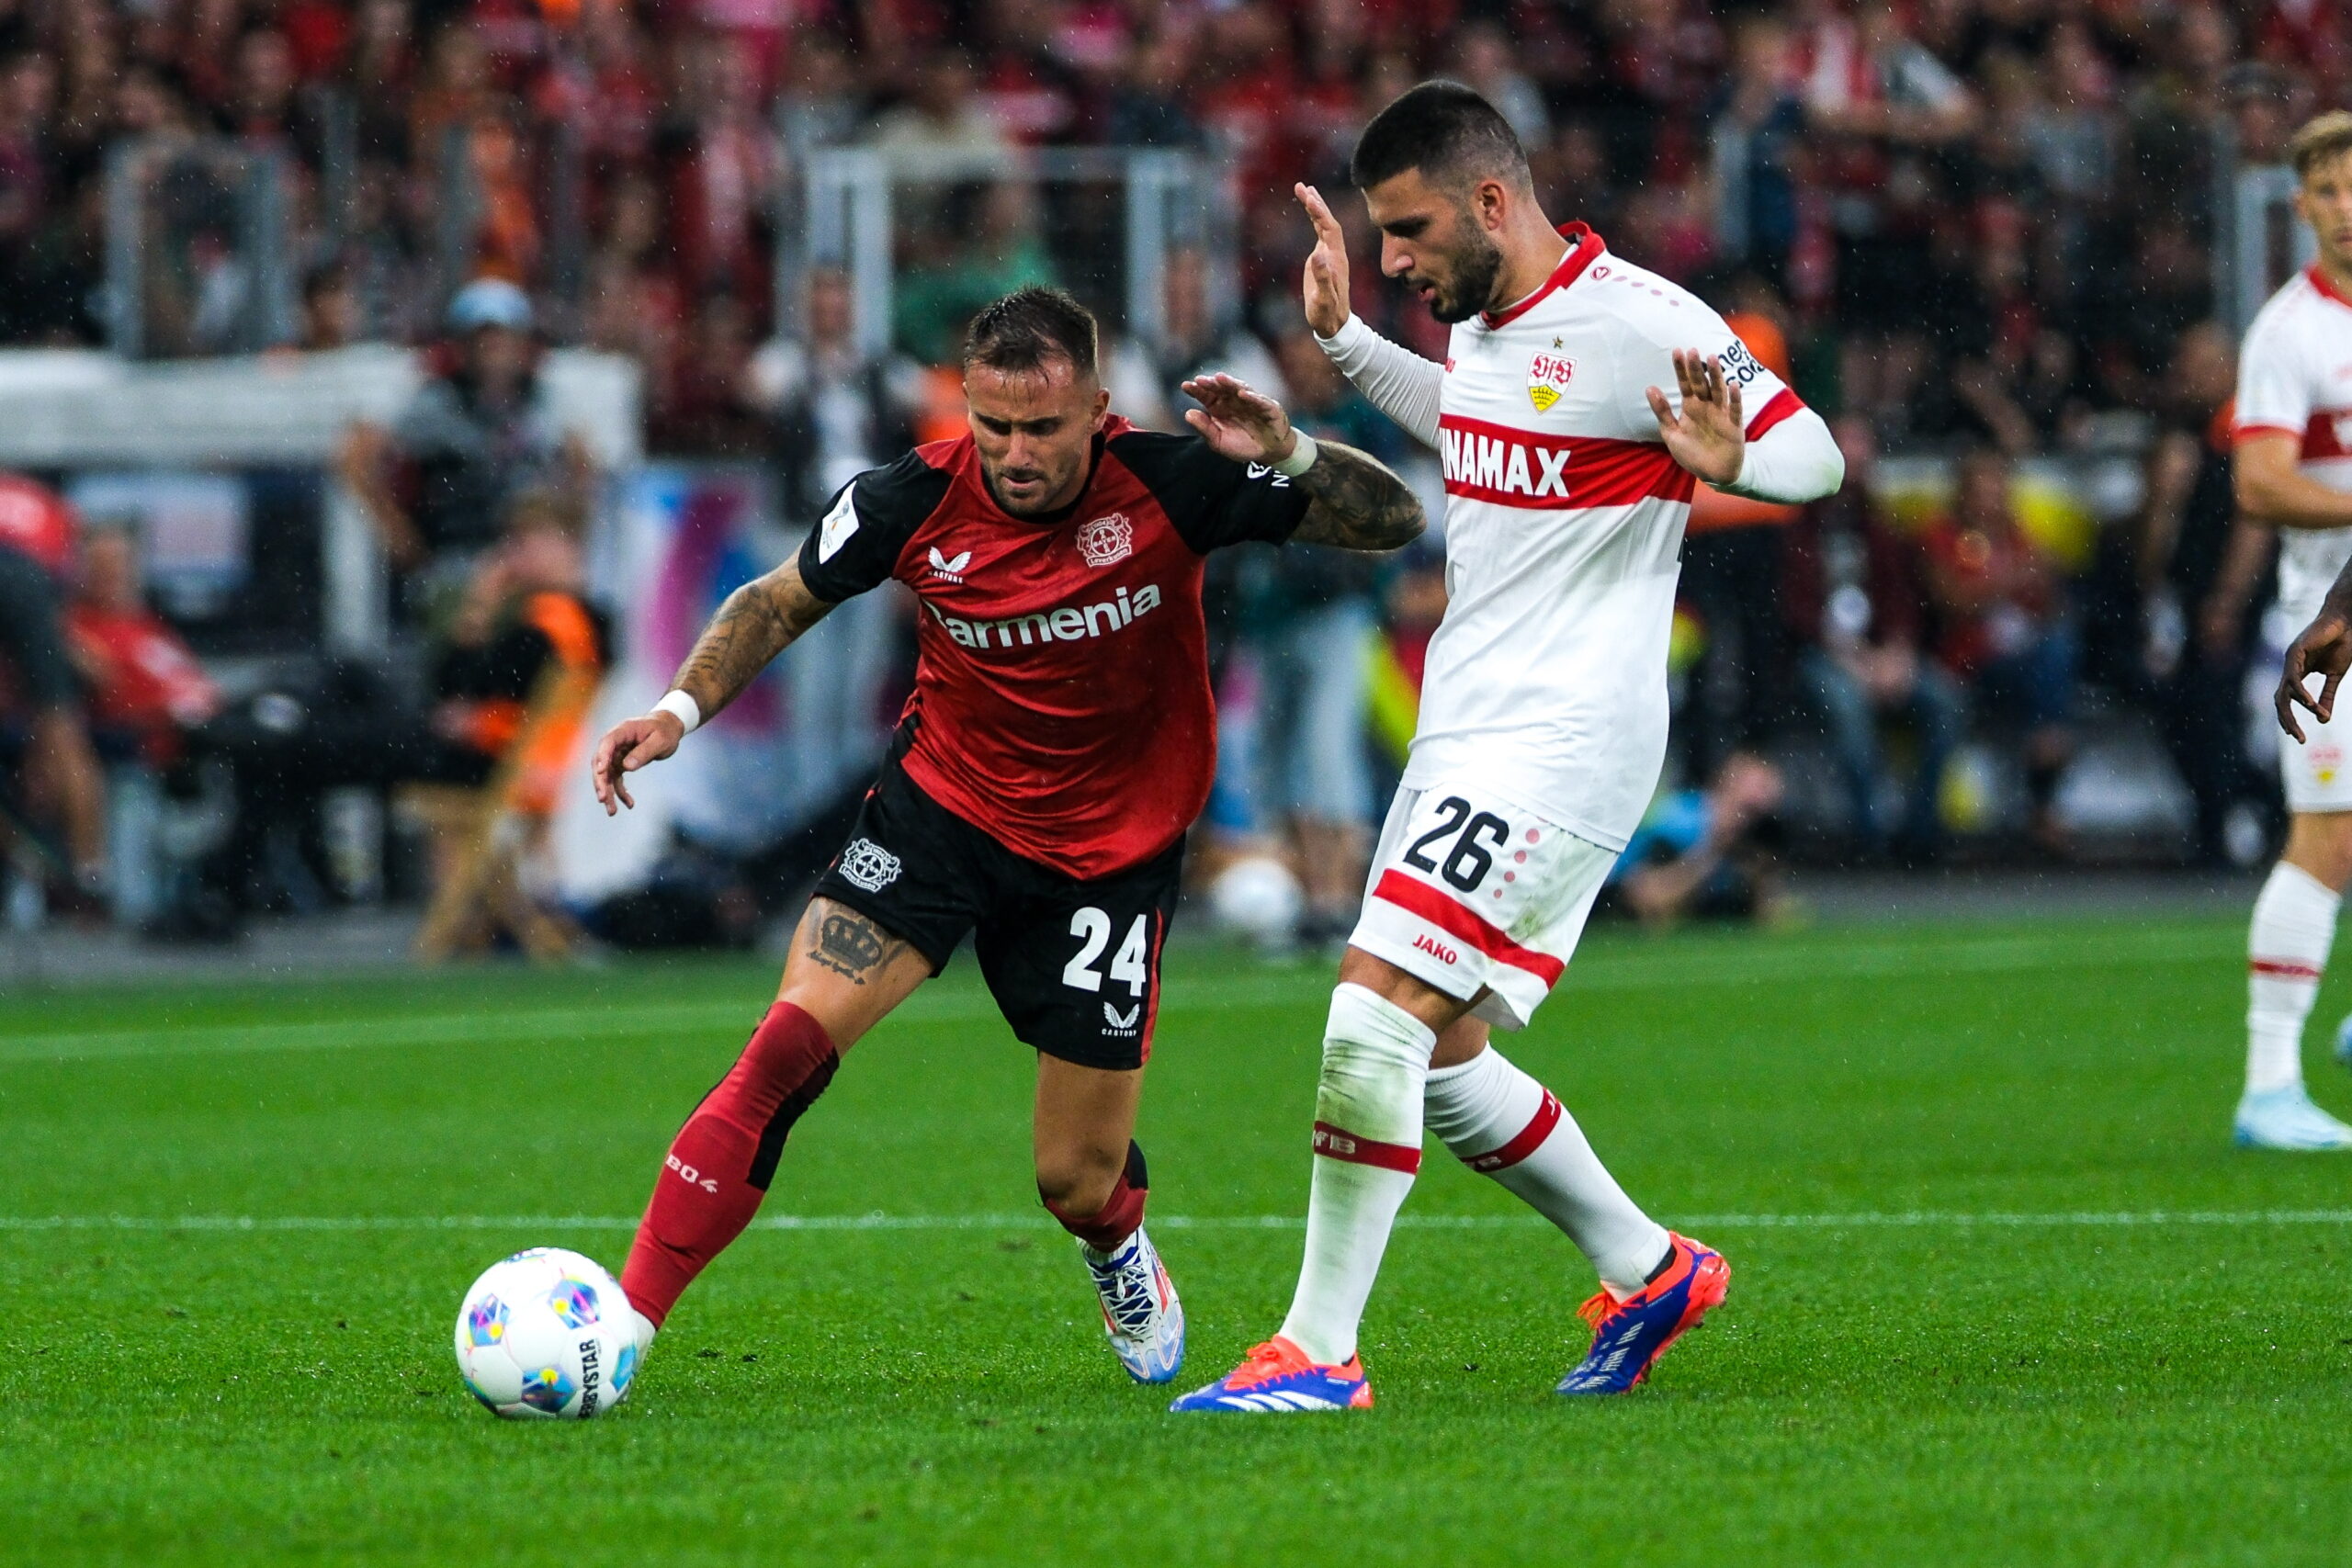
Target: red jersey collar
[
  {"x": 1583, "y": 246},
  {"x": 2327, "y": 290}
]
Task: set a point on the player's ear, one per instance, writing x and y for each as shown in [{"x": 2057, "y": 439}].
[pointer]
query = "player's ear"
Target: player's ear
[
  {"x": 1101, "y": 407},
  {"x": 1490, "y": 204}
]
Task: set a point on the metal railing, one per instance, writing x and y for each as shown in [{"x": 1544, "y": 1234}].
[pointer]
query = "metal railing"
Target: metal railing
[{"x": 845, "y": 211}]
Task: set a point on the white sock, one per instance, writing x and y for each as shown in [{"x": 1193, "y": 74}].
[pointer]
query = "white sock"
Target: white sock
[
  {"x": 1367, "y": 1150},
  {"x": 1503, "y": 1123},
  {"x": 2294, "y": 925}
]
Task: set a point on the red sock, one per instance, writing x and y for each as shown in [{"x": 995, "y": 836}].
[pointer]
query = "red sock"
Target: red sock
[
  {"x": 720, "y": 1166},
  {"x": 1119, "y": 1217}
]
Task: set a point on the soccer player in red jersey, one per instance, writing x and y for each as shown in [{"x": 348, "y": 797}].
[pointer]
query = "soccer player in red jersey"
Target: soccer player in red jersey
[{"x": 1059, "y": 740}]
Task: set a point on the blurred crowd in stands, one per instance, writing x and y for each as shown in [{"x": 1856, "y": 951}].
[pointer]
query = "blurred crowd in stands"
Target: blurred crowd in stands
[{"x": 1984, "y": 230}]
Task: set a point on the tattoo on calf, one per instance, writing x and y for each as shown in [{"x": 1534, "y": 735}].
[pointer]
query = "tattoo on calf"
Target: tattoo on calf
[{"x": 851, "y": 946}]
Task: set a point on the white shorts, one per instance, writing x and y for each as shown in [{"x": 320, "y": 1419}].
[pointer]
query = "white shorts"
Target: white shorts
[
  {"x": 2318, "y": 774},
  {"x": 1470, "y": 892}
]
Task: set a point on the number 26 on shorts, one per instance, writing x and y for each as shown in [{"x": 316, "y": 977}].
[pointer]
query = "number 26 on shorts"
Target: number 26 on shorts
[{"x": 1469, "y": 861}]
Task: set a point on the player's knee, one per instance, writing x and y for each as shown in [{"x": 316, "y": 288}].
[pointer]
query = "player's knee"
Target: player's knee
[
  {"x": 1428, "y": 1005},
  {"x": 1376, "y": 1055},
  {"x": 2319, "y": 843}
]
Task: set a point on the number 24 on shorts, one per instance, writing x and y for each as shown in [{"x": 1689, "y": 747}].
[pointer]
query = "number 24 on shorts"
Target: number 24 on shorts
[{"x": 1092, "y": 927}]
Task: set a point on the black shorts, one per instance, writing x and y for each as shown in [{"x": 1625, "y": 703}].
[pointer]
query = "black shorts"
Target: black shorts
[
  {"x": 31, "y": 643},
  {"x": 1074, "y": 964}
]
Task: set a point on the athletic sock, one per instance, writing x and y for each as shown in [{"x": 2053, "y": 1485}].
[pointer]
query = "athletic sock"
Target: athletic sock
[
  {"x": 1107, "y": 1228},
  {"x": 1503, "y": 1123},
  {"x": 2294, "y": 925},
  {"x": 1367, "y": 1149},
  {"x": 720, "y": 1165}
]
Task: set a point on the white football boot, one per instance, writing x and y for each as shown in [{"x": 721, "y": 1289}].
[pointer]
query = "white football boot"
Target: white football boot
[
  {"x": 2286, "y": 1119},
  {"x": 1141, "y": 1316}
]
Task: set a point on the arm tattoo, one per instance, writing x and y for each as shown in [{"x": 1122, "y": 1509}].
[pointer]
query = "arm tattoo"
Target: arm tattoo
[
  {"x": 1359, "y": 505},
  {"x": 758, "y": 622},
  {"x": 848, "y": 944}
]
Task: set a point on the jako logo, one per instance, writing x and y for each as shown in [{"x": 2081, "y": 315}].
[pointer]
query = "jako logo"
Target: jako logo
[
  {"x": 1066, "y": 624},
  {"x": 1436, "y": 950},
  {"x": 949, "y": 567},
  {"x": 693, "y": 1178}
]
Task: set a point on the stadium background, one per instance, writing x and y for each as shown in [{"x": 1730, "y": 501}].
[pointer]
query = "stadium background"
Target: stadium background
[
  {"x": 2005, "y": 1291},
  {"x": 230, "y": 234}
]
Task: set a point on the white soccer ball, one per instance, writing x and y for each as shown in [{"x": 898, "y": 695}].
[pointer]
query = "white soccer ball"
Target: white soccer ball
[
  {"x": 546, "y": 1333},
  {"x": 1257, "y": 897}
]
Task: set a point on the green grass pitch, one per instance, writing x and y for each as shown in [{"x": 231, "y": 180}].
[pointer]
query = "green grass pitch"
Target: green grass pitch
[{"x": 2002, "y": 1292}]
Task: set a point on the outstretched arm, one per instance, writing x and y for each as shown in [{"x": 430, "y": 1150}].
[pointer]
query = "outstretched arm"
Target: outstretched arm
[
  {"x": 1398, "y": 382},
  {"x": 1796, "y": 460},
  {"x": 758, "y": 621},
  {"x": 1358, "y": 504}
]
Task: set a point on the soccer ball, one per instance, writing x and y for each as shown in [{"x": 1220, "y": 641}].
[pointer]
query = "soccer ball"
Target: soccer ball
[
  {"x": 1257, "y": 897},
  {"x": 546, "y": 1333}
]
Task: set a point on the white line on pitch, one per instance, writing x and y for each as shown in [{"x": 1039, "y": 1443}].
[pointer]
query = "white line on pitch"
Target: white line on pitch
[
  {"x": 1613, "y": 973},
  {"x": 1914, "y": 1219}
]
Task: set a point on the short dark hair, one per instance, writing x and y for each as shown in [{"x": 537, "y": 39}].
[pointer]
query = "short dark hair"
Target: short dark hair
[
  {"x": 1030, "y": 327},
  {"x": 1445, "y": 131}
]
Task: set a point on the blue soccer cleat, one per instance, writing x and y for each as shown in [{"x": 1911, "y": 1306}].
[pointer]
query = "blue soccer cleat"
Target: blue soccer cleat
[
  {"x": 1628, "y": 1337},
  {"x": 1278, "y": 1380},
  {"x": 1141, "y": 1316},
  {"x": 2343, "y": 1052},
  {"x": 2286, "y": 1119}
]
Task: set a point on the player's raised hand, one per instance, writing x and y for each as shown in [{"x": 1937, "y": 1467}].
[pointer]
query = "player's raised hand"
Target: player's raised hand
[
  {"x": 1239, "y": 423},
  {"x": 1710, "y": 435},
  {"x": 1324, "y": 288},
  {"x": 2323, "y": 650},
  {"x": 626, "y": 747}
]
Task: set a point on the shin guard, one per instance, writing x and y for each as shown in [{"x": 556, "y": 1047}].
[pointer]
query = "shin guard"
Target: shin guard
[{"x": 719, "y": 1168}]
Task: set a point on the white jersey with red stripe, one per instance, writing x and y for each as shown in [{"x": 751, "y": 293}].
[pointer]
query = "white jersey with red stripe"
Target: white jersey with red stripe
[
  {"x": 1546, "y": 680},
  {"x": 2295, "y": 379}
]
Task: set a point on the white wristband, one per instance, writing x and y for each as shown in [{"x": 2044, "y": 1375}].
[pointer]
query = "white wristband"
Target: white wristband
[
  {"x": 682, "y": 708},
  {"x": 1301, "y": 457}
]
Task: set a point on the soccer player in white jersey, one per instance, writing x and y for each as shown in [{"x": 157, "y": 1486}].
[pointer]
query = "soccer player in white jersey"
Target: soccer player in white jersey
[
  {"x": 2294, "y": 472},
  {"x": 1581, "y": 396}
]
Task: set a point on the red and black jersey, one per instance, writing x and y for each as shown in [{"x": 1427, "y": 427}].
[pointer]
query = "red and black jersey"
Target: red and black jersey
[{"x": 1061, "y": 700}]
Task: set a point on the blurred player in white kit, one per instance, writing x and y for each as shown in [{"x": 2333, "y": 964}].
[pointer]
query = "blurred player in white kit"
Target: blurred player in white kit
[
  {"x": 1581, "y": 396},
  {"x": 2293, "y": 462}
]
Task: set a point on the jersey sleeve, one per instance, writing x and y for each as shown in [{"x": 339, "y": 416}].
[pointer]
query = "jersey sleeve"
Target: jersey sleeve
[
  {"x": 1212, "y": 500},
  {"x": 1652, "y": 334},
  {"x": 856, "y": 546},
  {"x": 2274, "y": 395}
]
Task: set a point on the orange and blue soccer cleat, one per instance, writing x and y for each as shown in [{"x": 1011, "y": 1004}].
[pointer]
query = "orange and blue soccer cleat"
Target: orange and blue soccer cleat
[
  {"x": 1628, "y": 1337},
  {"x": 1278, "y": 1380}
]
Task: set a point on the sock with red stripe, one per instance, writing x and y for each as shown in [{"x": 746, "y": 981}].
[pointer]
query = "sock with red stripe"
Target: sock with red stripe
[
  {"x": 2294, "y": 925},
  {"x": 720, "y": 1165},
  {"x": 1121, "y": 1215},
  {"x": 1503, "y": 1123},
  {"x": 1367, "y": 1150}
]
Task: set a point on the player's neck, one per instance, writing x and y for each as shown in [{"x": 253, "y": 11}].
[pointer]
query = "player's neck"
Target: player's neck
[
  {"x": 2337, "y": 270},
  {"x": 1528, "y": 261}
]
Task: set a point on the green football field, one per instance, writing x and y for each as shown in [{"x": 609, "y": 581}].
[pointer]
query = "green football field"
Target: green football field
[{"x": 2002, "y": 1291}]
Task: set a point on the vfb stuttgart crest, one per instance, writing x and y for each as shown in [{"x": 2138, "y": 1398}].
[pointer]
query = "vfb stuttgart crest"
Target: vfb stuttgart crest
[
  {"x": 1547, "y": 377},
  {"x": 1107, "y": 539}
]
